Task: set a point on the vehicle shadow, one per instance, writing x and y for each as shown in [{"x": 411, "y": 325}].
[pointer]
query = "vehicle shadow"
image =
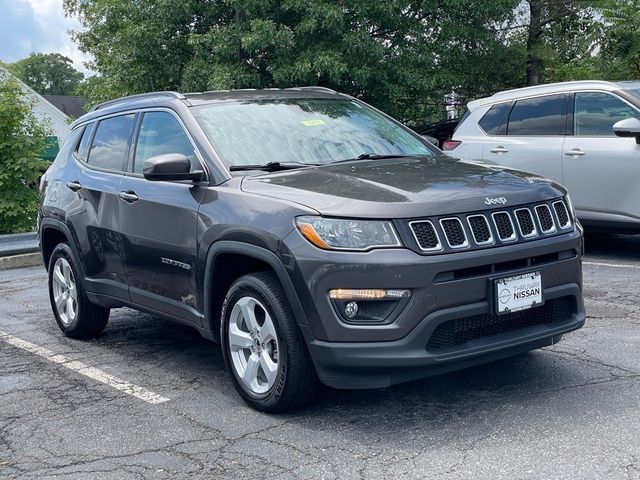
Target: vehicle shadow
[
  {"x": 612, "y": 247},
  {"x": 195, "y": 364}
]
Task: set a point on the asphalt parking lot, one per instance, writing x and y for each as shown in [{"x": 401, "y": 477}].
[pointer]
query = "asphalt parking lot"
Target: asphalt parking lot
[{"x": 151, "y": 399}]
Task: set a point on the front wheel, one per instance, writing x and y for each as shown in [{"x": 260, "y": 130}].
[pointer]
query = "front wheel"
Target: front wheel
[{"x": 262, "y": 346}]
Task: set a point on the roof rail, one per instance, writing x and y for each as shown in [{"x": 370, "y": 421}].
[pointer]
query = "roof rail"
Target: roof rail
[
  {"x": 314, "y": 88},
  {"x": 168, "y": 94}
]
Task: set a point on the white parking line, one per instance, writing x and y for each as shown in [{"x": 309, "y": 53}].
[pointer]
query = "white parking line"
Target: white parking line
[
  {"x": 83, "y": 369},
  {"x": 615, "y": 265}
]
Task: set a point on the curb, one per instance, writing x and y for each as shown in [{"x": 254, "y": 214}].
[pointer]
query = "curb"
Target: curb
[{"x": 19, "y": 261}]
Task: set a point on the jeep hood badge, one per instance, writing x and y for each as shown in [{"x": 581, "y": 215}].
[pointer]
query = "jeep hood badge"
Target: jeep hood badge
[{"x": 495, "y": 201}]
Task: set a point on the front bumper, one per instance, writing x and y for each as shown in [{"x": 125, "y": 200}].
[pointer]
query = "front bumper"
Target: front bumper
[{"x": 445, "y": 288}]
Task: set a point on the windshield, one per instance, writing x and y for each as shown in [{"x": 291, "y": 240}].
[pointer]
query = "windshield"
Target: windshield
[{"x": 307, "y": 131}]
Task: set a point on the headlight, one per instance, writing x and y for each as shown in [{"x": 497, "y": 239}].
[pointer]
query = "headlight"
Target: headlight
[
  {"x": 572, "y": 211},
  {"x": 343, "y": 234}
]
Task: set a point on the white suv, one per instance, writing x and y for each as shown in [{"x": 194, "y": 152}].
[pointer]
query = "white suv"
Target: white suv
[{"x": 570, "y": 132}]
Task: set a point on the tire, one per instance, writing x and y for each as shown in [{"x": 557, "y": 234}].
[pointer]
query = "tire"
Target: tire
[
  {"x": 266, "y": 348},
  {"x": 76, "y": 316}
]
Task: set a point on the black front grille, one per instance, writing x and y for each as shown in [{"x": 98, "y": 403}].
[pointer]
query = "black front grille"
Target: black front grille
[
  {"x": 503, "y": 225},
  {"x": 480, "y": 229},
  {"x": 545, "y": 218},
  {"x": 454, "y": 232},
  {"x": 525, "y": 221},
  {"x": 458, "y": 332},
  {"x": 425, "y": 235},
  {"x": 561, "y": 212}
]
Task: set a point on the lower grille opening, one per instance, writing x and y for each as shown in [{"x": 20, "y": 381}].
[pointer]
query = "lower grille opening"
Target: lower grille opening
[{"x": 460, "y": 331}]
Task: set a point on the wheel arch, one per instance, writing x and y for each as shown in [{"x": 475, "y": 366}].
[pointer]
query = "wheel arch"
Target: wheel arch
[
  {"x": 53, "y": 232},
  {"x": 243, "y": 258}
]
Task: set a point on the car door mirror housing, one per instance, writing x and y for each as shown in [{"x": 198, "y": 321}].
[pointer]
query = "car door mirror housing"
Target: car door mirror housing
[
  {"x": 629, "y": 127},
  {"x": 170, "y": 166}
]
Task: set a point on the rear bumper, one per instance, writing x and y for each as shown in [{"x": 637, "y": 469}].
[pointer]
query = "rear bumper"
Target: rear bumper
[{"x": 381, "y": 364}]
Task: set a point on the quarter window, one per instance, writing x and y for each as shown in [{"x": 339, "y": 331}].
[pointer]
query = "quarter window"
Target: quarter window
[
  {"x": 494, "y": 122},
  {"x": 110, "y": 146},
  {"x": 595, "y": 113},
  {"x": 538, "y": 116},
  {"x": 81, "y": 150},
  {"x": 161, "y": 133}
]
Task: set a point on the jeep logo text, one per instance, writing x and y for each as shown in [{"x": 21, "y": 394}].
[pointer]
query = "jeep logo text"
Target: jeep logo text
[{"x": 495, "y": 201}]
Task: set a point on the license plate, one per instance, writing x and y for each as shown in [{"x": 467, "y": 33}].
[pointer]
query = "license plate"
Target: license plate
[{"x": 519, "y": 292}]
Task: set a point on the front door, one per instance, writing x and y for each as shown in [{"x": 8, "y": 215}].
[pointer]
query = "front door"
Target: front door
[
  {"x": 158, "y": 223},
  {"x": 601, "y": 171}
]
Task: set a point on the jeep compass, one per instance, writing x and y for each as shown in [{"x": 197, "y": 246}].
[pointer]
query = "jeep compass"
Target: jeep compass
[{"x": 315, "y": 238}]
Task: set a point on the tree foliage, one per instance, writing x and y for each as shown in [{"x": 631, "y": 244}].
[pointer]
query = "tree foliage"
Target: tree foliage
[
  {"x": 48, "y": 73},
  {"x": 21, "y": 144}
]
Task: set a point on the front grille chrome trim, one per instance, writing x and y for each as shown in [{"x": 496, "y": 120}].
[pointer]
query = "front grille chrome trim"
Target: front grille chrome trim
[
  {"x": 465, "y": 244},
  {"x": 534, "y": 232},
  {"x": 568, "y": 224},
  {"x": 513, "y": 236},
  {"x": 491, "y": 240},
  {"x": 553, "y": 228},
  {"x": 438, "y": 247}
]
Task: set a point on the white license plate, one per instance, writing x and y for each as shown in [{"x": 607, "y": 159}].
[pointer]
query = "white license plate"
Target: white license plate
[{"x": 518, "y": 292}]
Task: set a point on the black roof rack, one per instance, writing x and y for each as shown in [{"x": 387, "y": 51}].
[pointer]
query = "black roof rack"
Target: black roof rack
[{"x": 167, "y": 94}]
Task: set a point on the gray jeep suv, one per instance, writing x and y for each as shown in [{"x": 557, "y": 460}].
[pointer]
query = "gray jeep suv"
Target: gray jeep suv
[{"x": 315, "y": 238}]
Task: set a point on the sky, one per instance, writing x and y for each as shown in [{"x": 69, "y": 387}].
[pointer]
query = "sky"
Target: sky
[{"x": 28, "y": 26}]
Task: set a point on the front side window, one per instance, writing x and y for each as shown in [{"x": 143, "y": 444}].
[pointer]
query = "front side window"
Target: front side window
[
  {"x": 160, "y": 134},
  {"x": 595, "y": 113},
  {"x": 110, "y": 146},
  {"x": 307, "y": 131},
  {"x": 538, "y": 116}
]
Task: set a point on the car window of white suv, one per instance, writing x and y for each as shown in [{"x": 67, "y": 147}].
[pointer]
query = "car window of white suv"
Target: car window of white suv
[
  {"x": 595, "y": 113},
  {"x": 538, "y": 116},
  {"x": 494, "y": 122}
]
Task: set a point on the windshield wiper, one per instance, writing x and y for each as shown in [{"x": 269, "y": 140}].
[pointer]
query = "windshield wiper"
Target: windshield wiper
[
  {"x": 375, "y": 156},
  {"x": 272, "y": 166}
]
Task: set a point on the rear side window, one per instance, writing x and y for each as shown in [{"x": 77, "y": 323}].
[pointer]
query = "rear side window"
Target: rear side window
[
  {"x": 595, "y": 113},
  {"x": 110, "y": 146},
  {"x": 538, "y": 116},
  {"x": 494, "y": 122},
  {"x": 161, "y": 133},
  {"x": 83, "y": 146}
]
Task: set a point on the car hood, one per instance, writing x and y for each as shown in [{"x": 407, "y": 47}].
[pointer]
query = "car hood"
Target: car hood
[{"x": 402, "y": 188}]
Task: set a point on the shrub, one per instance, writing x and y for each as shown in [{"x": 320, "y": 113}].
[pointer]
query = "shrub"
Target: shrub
[{"x": 22, "y": 140}]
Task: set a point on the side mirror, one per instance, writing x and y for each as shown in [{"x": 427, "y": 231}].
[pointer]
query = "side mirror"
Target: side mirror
[
  {"x": 629, "y": 127},
  {"x": 171, "y": 166}
]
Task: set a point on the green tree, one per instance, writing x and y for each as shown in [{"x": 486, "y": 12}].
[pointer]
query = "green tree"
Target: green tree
[
  {"x": 619, "y": 57},
  {"x": 400, "y": 55},
  {"x": 48, "y": 73},
  {"x": 21, "y": 143}
]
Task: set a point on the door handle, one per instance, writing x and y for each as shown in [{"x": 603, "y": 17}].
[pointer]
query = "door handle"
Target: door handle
[
  {"x": 499, "y": 150},
  {"x": 128, "y": 197},
  {"x": 75, "y": 185},
  {"x": 574, "y": 152}
]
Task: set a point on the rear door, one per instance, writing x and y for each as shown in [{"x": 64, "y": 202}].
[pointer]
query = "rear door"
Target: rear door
[
  {"x": 533, "y": 138},
  {"x": 158, "y": 221},
  {"x": 90, "y": 201},
  {"x": 601, "y": 170}
]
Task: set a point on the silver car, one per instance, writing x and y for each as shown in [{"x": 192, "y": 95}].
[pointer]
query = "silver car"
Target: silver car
[{"x": 583, "y": 134}]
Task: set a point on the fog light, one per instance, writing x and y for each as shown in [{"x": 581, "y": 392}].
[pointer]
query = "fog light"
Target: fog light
[
  {"x": 351, "y": 309},
  {"x": 368, "y": 294}
]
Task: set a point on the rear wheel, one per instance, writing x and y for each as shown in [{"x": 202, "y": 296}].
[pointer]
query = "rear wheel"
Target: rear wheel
[
  {"x": 76, "y": 316},
  {"x": 262, "y": 346}
]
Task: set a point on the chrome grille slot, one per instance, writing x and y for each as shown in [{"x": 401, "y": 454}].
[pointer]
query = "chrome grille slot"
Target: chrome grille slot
[
  {"x": 425, "y": 234},
  {"x": 480, "y": 229},
  {"x": 454, "y": 232},
  {"x": 545, "y": 219},
  {"x": 562, "y": 214},
  {"x": 525, "y": 223},
  {"x": 504, "y": 226}
]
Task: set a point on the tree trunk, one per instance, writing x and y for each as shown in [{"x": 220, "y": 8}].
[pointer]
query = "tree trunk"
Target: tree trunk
[{"x": 534, "y": 62}]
